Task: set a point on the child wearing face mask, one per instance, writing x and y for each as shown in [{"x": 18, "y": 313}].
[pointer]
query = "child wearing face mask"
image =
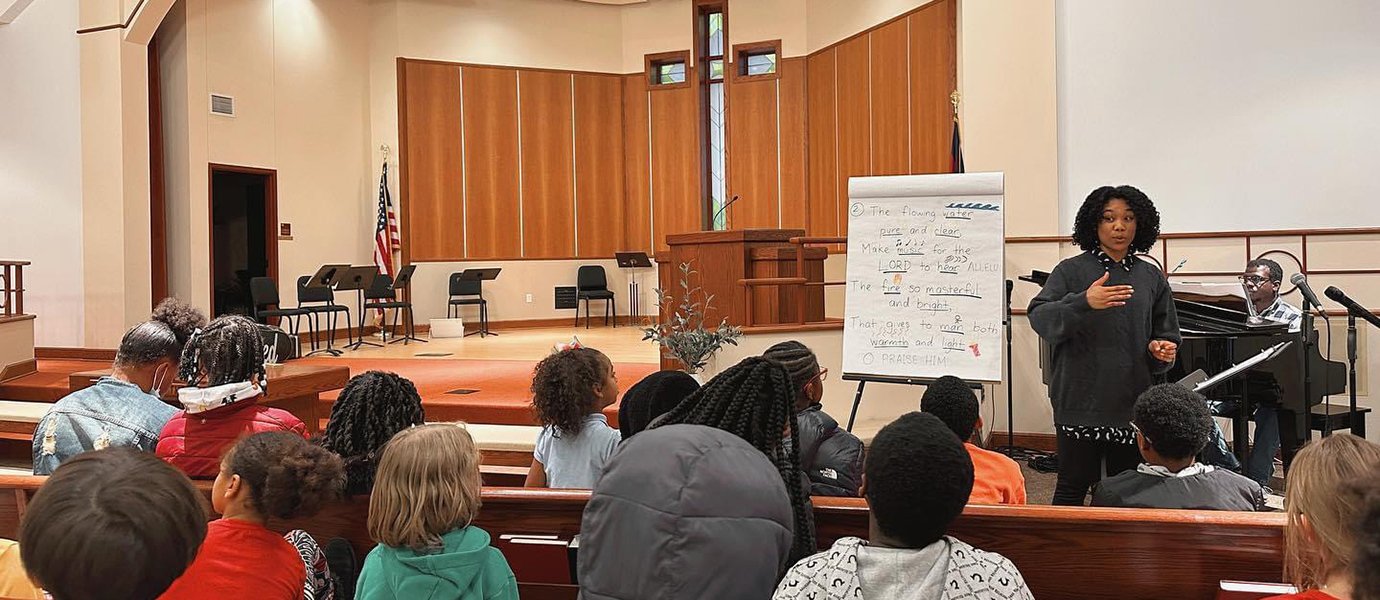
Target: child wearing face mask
[{"x": 123, "y": 409}]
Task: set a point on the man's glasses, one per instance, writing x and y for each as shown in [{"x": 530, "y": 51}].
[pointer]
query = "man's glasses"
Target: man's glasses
[{"x": 1253, "y": 280}]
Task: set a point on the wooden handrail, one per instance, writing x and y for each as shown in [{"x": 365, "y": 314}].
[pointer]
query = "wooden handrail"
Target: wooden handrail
[{"x": 12, "y": 287}]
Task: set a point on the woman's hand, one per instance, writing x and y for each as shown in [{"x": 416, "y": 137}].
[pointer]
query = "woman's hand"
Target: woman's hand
[
  {"x": 1107, "y": 296},
  {"x": 1164, "y": 351}
]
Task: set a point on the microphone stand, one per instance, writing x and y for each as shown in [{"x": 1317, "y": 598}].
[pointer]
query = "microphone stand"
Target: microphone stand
[
  {"x": 1351, "y": 366},
  {"x": 1010, "y": 403},
  {"x": 1307, "y": 372}
]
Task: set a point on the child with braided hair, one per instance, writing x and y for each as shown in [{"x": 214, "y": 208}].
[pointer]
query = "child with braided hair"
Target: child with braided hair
[
  {"x": 269, "y": 475},
  {"x": 223, "y": 366},
  {"x": 373, "y": 407},
  {"x": 755, "y": 400},
  {"x": 570, "y": 389},
  {"x": 830, "y": 455}
]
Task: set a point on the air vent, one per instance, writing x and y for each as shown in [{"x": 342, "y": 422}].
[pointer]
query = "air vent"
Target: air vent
[
  {"x": 222, "y": 105},
  {"x": 565, "y": 297}
]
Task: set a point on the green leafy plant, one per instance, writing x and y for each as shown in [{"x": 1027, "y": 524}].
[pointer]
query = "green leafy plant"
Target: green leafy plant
[{"x": 684, "y": 335}]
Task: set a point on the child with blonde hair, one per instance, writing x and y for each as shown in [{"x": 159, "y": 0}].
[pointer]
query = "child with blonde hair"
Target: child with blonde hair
[
  {"x": 1320, "y": 537},
  {"x": 426, "y": 494}
]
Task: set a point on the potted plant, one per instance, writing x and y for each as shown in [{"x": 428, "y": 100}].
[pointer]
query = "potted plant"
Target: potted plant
[{"x": 684, "y": 335}]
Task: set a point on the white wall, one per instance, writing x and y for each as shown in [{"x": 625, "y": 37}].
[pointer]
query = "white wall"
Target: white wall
[
  {"x": 553, "y": 34},
  {"x": 40, "y": 165},
  {"x": 1214, "y": 108}
]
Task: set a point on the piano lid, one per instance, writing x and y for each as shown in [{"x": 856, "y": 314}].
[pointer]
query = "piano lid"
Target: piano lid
[{"x": 1216, "y": 309}]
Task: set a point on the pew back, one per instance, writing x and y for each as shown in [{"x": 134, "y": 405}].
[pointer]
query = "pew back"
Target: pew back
[{"x": 1062, "y": 552}]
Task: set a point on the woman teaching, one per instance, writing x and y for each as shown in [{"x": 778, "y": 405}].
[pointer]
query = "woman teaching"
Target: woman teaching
[{"x": 1109, "y": 319}]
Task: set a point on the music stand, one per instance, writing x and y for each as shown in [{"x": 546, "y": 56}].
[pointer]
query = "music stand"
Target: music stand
[
  {"x": 633, "y": 261},
  {"x": 404, "y": 283},
  {"x": 326, "y": 277},
  {"x": 481, "y": 275},
  {"x": 358, "y": 279}
]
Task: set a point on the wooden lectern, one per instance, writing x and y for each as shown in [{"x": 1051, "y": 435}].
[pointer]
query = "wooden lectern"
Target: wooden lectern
[{"x": 722, "y": 258}]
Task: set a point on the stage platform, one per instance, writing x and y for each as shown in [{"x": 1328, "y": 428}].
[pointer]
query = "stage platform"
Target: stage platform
[{"x": 478, "y": 380}]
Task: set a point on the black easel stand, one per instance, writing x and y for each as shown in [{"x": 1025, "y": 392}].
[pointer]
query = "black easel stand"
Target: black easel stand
[{"x": 480, "y": 275}]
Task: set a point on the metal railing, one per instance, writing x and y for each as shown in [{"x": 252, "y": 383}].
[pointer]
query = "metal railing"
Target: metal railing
[
  {"x": 800, "y": 279},
  {"x": 12, "y": 287}
]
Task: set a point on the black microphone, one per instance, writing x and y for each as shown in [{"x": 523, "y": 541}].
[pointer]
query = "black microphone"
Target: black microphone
[
  {"x": 722, "y": 209},
  {"x": 1301, "y": 281},
  {"x": 1351, "y": 305}
]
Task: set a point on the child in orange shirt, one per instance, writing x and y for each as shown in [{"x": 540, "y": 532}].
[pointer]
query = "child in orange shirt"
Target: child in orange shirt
[{"x": 996, "y": 478}]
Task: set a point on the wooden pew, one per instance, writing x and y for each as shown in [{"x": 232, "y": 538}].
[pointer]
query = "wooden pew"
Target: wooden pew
[{"x": 1062, "y": 552}]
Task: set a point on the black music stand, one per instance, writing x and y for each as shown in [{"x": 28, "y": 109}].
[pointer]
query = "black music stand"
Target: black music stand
[
  {"x": 358, "y": 279},
  {"x": 326, "y": 277},
  {"x": 404, "y": 282},
  {"x": 481, "y": 275},
  {"x": 633, "y": 261}
]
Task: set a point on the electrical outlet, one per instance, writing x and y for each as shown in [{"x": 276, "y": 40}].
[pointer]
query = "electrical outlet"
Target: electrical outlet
[{"x": 529, "y": 298}]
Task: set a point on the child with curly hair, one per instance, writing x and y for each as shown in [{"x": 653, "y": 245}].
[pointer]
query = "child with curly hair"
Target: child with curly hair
[
  {"x": 269, "y": 475},
  {"x": 1172, "y": 426},
  {"x": 570, "y": 389}
]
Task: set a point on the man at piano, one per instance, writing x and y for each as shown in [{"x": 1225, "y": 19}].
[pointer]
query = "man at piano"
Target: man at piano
[
  {"x": 1261, "y": 282},
  {"x": 1110, "y": 322}
]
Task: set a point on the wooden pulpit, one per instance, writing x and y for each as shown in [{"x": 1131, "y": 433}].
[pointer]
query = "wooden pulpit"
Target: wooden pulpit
[{"x": 722, "y": 258}]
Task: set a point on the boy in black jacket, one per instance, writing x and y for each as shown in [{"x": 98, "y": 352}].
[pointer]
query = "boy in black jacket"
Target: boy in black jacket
[
  {"x": 1172, "y": 426},
  {"x": 831, "y": 456}
]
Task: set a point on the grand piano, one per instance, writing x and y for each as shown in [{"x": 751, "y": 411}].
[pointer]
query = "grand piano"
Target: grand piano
[
  {"x": 1217, "y": 334},
  {"x": 1216, "y": 331}
]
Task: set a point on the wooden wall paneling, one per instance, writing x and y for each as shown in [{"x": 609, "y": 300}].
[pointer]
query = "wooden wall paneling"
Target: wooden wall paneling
[
  {"x": 854, "y": 120},
  {"x": 599, "y": 178},
  {"x": 792, "y": 137},
  {"x": 492, "y": 183},
  {"x": 933, "y": 76},
  {"x": 889, "y": 99},
  {"x": 675, "y": 161},
  {"x": 547, "y": 148},
  {"x": 432, "y": 204},
  {"x": 637, "y": 226},
  {"x": 821, "y": 131},
  {"x": 753, "y": 159}
]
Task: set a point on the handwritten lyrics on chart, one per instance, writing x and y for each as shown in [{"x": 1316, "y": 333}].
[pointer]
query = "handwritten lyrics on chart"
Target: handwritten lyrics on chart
[{"x": 925, "y": 286}]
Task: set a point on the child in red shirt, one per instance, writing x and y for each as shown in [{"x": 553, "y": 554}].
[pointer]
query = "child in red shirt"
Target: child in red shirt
[
  {"x": 1324, "y": 505},
  {"x": 996, "y": 478},
  {"x": 271, "y": 474}
]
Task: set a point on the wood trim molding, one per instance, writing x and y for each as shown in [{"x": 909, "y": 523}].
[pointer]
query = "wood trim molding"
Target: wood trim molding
[
  {"x": 124, "y": 25},
  {"x": 19, "y": 369},
  {"x": 1208, "y": 235},
  {"x": 1044, "y": 442},
  {"x": 735, "y": 68},
  {"x": 649, "y": 60},
  {"x": 17, "y": 318},
  {"x": 48, "y": 352},
  {"x": 403, "y": 59}
]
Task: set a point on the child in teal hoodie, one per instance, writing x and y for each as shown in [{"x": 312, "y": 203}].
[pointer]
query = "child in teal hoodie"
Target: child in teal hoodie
[{"x": 426, "y": 493}]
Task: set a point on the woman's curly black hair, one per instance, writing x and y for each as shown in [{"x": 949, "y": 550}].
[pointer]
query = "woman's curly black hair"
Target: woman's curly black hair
[
  {"x": 755, "y": 400},
  {"x": 162, "y": 336},
  {"x": 287, "y": 476},
  {"x": 373, "y": 407},
  {"x": 1090, "y": 214},
  {"x": 563, "y": 387}
]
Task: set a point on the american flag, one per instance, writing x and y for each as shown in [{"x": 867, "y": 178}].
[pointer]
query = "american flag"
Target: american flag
[{"x": 386, "y": 237}]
